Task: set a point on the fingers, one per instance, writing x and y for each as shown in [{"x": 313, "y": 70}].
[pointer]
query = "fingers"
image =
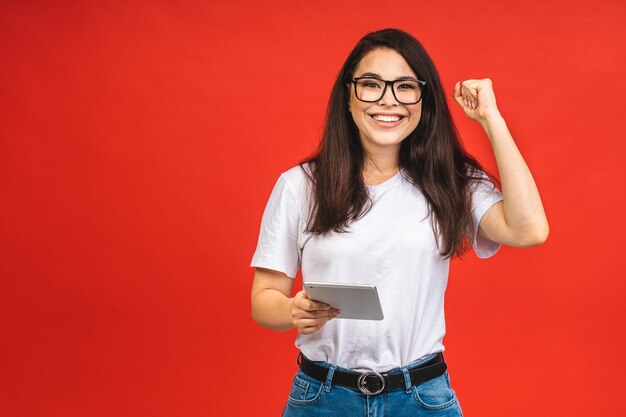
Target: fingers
[
  {"x": 309, "y": 330},
  {"x": 309, "y": 316},
  {"x": 466, "y": 94},
  {"x": 300, "y": 314},
  {"x": 308, "y": 326},
  {"x": 469, "y": 91},
  {"x": 303, "y": 302},
  {"x": 456, "y": 94}
]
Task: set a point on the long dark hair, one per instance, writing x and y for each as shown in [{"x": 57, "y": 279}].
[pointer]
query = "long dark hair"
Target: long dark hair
[{"x": 432, "y": 157}]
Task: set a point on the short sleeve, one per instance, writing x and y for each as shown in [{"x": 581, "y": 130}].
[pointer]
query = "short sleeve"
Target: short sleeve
[
  {"x": 484, "y": 195},
  {"x": 277, "y": 247}
]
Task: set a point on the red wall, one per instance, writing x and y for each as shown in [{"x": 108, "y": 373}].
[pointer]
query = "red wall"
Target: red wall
[{"x": 139, "y": 142}]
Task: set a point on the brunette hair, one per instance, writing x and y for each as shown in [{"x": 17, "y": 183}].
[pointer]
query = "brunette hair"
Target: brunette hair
[{"x": 432, "y": 157}]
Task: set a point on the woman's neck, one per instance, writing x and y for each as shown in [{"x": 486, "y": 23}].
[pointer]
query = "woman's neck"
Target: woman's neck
[{"x": 379, "y": 168}]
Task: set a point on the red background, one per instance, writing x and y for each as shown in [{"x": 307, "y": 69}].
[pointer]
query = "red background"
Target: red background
[{"x": 139, "y": 142}]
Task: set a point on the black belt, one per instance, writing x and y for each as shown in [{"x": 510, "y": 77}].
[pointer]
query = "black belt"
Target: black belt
[{"x": 371, "y": 383}]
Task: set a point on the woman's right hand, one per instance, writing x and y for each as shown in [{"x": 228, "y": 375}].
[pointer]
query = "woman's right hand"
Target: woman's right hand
[{"x": 309, "y": 316}]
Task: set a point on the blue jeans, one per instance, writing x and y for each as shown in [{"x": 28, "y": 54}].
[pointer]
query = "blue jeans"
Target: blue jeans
[{"x": 310, "y": 397}]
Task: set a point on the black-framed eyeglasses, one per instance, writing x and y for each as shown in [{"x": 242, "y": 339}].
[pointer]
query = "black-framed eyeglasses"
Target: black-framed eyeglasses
[{"x": 372, "y": 89}]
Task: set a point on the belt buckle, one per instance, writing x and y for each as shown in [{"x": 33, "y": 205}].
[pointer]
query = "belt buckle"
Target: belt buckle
[{"x": 362, "y": 383}]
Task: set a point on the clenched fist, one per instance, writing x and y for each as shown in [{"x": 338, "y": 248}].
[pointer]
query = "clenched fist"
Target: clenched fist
[{"x": 476, "y": 98}]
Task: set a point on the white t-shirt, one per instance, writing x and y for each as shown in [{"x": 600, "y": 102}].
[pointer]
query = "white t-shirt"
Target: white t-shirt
[{"x": 392, "y": 247}]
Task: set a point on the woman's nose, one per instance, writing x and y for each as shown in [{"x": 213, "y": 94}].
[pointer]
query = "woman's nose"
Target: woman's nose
[{"x": 388, "y": 98}]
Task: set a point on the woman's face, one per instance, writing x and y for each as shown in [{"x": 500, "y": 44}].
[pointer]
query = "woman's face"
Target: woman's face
[{"x": 384, "y": 124}]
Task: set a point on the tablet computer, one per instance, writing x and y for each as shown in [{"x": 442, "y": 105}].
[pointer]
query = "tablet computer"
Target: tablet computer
[{"x": 354, "y": 301}]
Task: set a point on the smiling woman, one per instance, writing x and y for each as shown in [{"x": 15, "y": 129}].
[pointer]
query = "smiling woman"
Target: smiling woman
[{"x": 388, "y": 198}]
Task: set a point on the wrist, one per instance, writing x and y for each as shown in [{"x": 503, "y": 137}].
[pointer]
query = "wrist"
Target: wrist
[
  {"x": 491, "y": 119},
  {"x": 290, "y": 303}
]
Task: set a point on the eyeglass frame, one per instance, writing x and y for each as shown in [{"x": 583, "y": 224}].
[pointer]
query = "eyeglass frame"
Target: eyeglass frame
[{"x": 387, "y": 82}]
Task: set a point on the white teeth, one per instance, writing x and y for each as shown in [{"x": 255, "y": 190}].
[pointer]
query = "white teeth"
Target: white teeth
[{"x": 381, "y": 118}]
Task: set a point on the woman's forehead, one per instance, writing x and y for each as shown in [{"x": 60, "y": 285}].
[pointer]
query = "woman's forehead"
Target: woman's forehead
[{"x": 385, "y": 63}]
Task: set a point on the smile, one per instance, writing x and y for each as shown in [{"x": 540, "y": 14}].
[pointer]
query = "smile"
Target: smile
[
  {"x": 388, "y": 121},
  {"x": 381, "y": 118}
]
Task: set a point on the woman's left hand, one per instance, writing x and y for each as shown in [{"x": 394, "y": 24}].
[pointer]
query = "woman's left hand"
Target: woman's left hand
[{"x": 476, "y": 98}]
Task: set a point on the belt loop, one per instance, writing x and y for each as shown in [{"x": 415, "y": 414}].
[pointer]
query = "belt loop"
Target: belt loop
[
  {"x": 407, "y": 379},
  {"x": 329, "y": 377}
]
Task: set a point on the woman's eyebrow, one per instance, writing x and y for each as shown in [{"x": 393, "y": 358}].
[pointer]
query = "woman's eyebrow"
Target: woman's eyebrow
[{"x": 373, "y": 74}]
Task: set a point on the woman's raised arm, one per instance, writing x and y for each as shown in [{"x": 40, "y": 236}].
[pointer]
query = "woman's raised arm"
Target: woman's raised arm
[{"x": 519, "y": 220}]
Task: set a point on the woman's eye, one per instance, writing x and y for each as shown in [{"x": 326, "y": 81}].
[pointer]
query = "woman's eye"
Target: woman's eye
[
  {"x": 370, "y": 84},
  {"x": 406, "y": 86}
]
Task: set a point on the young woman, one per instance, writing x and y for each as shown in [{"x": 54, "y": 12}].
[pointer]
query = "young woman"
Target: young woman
[{"x": 388, "y": 198}]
